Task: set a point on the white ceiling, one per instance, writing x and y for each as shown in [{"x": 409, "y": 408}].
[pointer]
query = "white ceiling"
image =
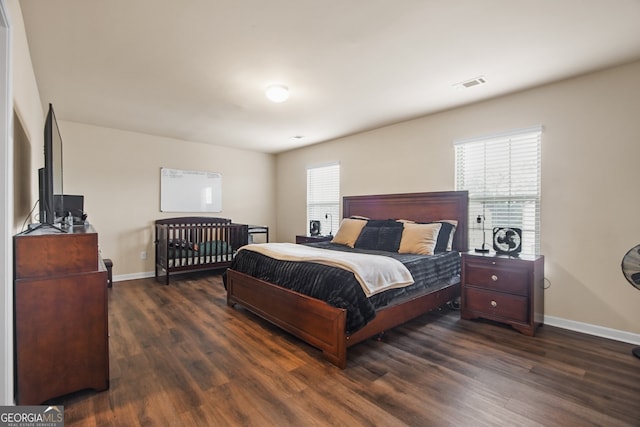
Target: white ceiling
[{"x": 196, "y": 70}]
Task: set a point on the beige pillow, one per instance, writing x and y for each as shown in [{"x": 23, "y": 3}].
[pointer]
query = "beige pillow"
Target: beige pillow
[
  {"x": 419, "y": 238},
  {"x": 349, "y": 231}
]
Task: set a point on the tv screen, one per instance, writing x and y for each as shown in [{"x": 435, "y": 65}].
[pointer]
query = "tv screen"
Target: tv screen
[{"x": 51, "y": 174}]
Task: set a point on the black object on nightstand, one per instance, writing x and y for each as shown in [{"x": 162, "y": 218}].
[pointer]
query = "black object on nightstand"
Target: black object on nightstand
[
  {"x": 312, "y": 239},
  {"x": 503, "y": 289}
]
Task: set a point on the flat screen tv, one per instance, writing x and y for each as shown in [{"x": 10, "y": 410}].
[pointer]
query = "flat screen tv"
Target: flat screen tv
[{"x": 50, "y": 177}]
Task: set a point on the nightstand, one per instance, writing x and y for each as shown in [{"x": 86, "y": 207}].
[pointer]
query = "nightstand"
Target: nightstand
[
  {"x": 312, "y": 239},
  {"x": 503, "y": 289}
]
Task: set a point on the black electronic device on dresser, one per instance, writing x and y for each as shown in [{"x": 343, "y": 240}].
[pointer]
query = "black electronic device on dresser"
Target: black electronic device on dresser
[
  {"x": 70, "y": 206},
  {"x": 503, "y": 289}
]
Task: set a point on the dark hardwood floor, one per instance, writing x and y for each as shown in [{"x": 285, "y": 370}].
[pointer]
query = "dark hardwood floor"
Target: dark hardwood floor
[{"x": 181, "y": 357}]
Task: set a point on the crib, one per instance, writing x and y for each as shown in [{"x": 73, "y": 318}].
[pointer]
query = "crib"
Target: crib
[{"x": 186, "y": 244}]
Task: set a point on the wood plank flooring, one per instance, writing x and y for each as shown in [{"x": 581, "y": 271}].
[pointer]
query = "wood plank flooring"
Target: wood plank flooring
[{"x": 181, "y": 357}]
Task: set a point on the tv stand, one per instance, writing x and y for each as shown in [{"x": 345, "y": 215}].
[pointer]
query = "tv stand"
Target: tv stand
[
  {"x": 61, "y": 323},
  {"x": 45, "y": 226}
]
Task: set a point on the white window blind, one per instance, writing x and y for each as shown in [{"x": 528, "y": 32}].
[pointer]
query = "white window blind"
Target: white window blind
[
  {"x": 502, "y": 174},
  {"x": 323, "y": 197}
]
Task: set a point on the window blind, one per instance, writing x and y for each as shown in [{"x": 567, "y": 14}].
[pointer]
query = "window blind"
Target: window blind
[
  {"x": 323, "y": 197},
  {"x": 502, "y": 175}
]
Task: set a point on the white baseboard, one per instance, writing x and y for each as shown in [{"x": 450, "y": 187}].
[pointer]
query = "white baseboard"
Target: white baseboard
[
  {"x": 587, "y": 328},
  {"x": 123, "y": 277}
]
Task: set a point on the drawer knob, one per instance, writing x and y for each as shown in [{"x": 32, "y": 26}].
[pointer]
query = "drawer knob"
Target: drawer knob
[
  {"x": 494, "y": 277},
  {"x": 494, "y": 304}
]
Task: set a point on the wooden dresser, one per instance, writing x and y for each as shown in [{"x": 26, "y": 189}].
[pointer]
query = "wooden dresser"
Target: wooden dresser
[
  {"x": 61, "y": 323},
  {"x": 504, "y": 289}
]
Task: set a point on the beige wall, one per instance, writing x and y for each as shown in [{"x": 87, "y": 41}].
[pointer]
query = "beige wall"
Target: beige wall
[
  {"x": 590, "y": 150},
  {"x": 28, "y": 118},
  {"x": 25, "y": 88},
  {"x": 118, "y": 173}
]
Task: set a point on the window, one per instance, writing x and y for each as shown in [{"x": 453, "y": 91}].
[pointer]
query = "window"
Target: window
[
  {"x": 502, "y": 174},
  {"x": 323, "y": 197}
]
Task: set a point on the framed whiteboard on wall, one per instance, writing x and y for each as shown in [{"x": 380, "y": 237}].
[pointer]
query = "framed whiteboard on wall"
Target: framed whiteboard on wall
[{"x": 190, "y": 191}]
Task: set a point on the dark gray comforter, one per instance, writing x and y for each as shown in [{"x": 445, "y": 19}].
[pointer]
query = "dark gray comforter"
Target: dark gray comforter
[{"x": 340, "y": 288}]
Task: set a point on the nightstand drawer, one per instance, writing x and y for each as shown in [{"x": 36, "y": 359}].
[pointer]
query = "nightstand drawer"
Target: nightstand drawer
[
  {"x": 495, "y": 277},
  {"x": 496, "y": 305}
]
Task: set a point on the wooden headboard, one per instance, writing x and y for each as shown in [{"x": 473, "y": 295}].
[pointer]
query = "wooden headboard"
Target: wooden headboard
[{"x": 420, "y": 207}]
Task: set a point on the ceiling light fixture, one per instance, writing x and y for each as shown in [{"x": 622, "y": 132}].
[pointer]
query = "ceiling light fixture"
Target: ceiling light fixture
[{"x": 277, "y": 93}]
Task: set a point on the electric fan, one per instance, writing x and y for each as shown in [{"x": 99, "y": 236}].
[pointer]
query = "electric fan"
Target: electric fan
[
  {"x": 507, "y": 240},
  {"x": 631, "y": 270},
  {"x": 314, "y": 228}
]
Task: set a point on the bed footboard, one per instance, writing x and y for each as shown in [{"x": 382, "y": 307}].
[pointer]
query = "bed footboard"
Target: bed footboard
[
  {"x": 318, "y": 323},
  {"x": 313, "y": 321},
  {"x": 196, "y": 243}
]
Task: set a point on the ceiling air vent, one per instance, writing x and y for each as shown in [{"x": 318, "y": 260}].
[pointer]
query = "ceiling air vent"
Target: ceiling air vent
[{"x": 470, "y": 83}]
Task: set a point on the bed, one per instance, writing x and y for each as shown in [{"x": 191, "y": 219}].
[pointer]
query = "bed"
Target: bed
[
  {"x": 185, "y": 244},
  {"x": 323, "y": 325}
]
